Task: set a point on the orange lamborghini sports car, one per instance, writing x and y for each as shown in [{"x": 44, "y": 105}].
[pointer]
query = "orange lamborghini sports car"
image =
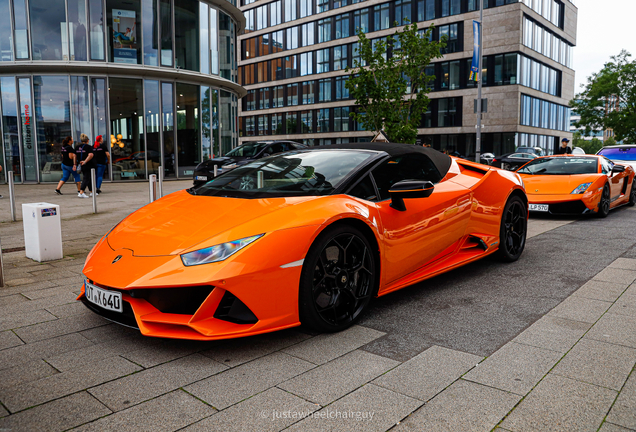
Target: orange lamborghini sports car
[
  {"x": 577, "y": 184},
  {"x": 307, "y": 236}
]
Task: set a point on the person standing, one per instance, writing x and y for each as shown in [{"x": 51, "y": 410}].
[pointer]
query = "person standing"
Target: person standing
[
  {"x": 565, "y": 148},
  {"x": 84, "y": 158},
  {"x": 102, "y": 158},
  {"x": 69, "y": 166}
]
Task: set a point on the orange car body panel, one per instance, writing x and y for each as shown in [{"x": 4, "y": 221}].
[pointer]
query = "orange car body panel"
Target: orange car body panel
[
  {"x": 553, "y": 189},
  {"x": 457, "y": 224}
]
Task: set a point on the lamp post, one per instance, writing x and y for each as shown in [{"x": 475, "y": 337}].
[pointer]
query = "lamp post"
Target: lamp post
[{"x": 479, "y": 79}]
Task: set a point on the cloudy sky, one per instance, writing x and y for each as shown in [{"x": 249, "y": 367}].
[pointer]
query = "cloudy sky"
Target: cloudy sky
[{"x": 605, "y": 27}]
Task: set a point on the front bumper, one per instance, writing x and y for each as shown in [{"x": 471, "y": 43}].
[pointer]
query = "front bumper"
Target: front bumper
[{"x": 568, "y": 204}]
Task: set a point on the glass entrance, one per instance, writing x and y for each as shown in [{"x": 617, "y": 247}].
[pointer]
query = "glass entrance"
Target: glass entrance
[
  {"x": 126, "y": 128},
  {"x": 30, "y": 166}
]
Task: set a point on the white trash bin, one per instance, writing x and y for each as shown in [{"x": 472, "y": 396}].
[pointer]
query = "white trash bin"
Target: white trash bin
[{"x": 42, "y": 231}]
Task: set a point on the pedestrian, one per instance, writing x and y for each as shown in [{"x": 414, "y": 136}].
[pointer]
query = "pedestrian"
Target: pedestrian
[
  {"x": 84, "y": 158},
  {"x": 102, "y": 158},
  {"x": 565, "y": 148},
  {"x": 69, "y": 166}
]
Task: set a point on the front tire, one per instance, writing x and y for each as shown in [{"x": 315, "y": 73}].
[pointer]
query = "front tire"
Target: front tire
[
  {"x": 632, "y": 194},
  {"x": 338, "y": 279},
  {"x": 604, "y": 204},
  {"x": 513, "y": 230}
]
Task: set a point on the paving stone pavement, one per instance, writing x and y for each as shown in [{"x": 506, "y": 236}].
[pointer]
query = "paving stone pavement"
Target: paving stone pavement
[{"x": 64, "y": 368}]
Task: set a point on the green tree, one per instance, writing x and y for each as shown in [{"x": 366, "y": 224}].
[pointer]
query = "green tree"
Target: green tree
[
  {"x": 589, "y": 146},
  {"x": 390, "y": 90},
  {"x": 616, "y": 79}
]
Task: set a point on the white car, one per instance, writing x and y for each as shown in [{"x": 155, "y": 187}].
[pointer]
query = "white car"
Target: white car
[{"x": 623, "y": 154}]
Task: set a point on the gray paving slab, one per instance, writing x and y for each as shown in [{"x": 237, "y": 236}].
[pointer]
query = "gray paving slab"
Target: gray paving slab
[
  {"x": 324, "y": 347},
  {"x": 24, "y": 285},
  {"x": 515, "y": 368},
  {"x": 370, "y": 408},
  {"x": 464, "y": 406},
  {"x": 556, "y": 334},
  {"x": 618, "y": 275},
  {"x": 12, "y": 299},
  {"x": 60, "y": 327},
  {"x": 24, "y": 353},
  {"x": 600, "y": 290},
  {"x": 624, "y": 263},
  {"x": 169, "y": 412},
  {"x": 17, "y": 320},
  {"x": 3, "y": 411},
  {"x": 617, "y": 329},
  {"x": 270, "y": 411},
  {"x": 108, "y": 332},
  {"x": 248, "y": 379},
  {"x": 8, "y": 339},
  {"x": 58, "y": 415},
  {"x": 625, "y": 305},
  {"x": 598, "y": 363},
  {"x": 61, "y": 298},
  {"x": 238, "y": 351},
  {"x": 69, "y": 309},
  {"x": 47, "y": 292},
  {"x": 153, "y": 382},
  {"x": 623, "y": 413},
  {"x": 561, "y": 404},
  {"x": 55, "y": 386},
  {"x": 580, "y": 309},
  {"x": 24, "y": 373},
  {"x": 609, "y": 427},
  {"x": 428, "y": 373},
  {"x": 336, "y": 378},
  {"x": 153, "y": 354},
  {"x": 631, "y": 290}
]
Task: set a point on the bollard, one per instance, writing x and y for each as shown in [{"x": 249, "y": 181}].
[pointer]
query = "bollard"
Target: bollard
[
  {"x": 216, "y": 170},
  {"x": 11, "y": 195},
  {"x": 1, "y": 268},
  {"x": 94, "y": 187},
  {"x": 160, "y": 183},
  {"x": 259, "y": 180},
  {"x": 153, "y": 187}
]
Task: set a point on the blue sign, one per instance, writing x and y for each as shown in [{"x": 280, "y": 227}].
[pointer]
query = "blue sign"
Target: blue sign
[{"x": 474, "y": 67}]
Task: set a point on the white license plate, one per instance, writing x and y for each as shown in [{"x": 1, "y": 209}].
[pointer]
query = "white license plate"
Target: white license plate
[
  {"x": 110, "y": 300},
  {"x": 538, "y": 207},
  {"x": 204, "y": 178}
]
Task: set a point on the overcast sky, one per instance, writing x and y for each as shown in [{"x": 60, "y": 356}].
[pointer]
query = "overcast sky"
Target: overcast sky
[{"x": 605, "y": 27}]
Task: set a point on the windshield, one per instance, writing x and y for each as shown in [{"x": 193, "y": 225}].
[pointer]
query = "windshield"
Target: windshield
[
  {"x": 561, "y": 166},
  {"x": 247, "y": 150},
  {"x": 297, "y": 173},
  {"x": 623, "y": 153}
]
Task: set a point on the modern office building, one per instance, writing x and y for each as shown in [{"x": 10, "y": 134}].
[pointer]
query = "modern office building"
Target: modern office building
[
  {"x": 294, "y": 52},
  {"x": 157, "y": 78}
]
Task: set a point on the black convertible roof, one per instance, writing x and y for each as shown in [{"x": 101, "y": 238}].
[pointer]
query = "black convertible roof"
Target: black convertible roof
[{"x": 441, "y": 161}]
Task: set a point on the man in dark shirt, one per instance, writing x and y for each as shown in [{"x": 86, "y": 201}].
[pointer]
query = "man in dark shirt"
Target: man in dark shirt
[
  {"x": 564, "y": 149},
  {"x": 84, "y": 157}
]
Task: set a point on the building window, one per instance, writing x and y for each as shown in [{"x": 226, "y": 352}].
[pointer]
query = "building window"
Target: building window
[
  {"x": 264, "y": 99},
  {"x": 308, "y": 92},
  {"x": 291, "y": 123},
  {"x": 342, "y": 26},
  {"x": 340, "y": 3},
  {"x": 381, "y": 17},
  {"x": 361, "y": 20},
  {"x": 447, "y": 112},
  {"x": 262, "y": 124},
  {"x": 322, "y": 6},
  {"x": 261, "y": 17},
  {"x": 292, "y": 38},
  {"x": 324, "y": 90},
  {"x": 323, "y": 120},
  {"x": 306, "y": 8},
  {"x": 324, "y": 30},
  {"x": 307, "y": 32},
  {"x": 250, "y": 100},
  {"x": 277, "y": 41},
  {"x": 249, "y": 126},
  {"x": 403, "y": 12},
  {"x": 187, "y": 34},
  {"x": 278, "y": 99},
  {"x": 544, "y": 114},
  {"x": 342, "y": 92},
  {"x": 341, "y": 119},
  {"x": 49, "y": 30},
  {"x": 306, "y": 63},
  {"x": 306, "y": 121},
  {"x": 277, "y": 124},
  {"x": 450, "y": 33},
  {"x": 292, "y": 94},
  {"x": 290, "y": 10},
  {"x": 340, "y": 57},
  {"x": 322, "y": 60},
  {"x": 275, "y": 13}
]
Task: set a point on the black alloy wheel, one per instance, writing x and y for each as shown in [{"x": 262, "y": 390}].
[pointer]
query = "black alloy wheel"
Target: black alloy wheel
[
  {"x": 632, "y": 193},
  {"x": 513, "y": 231},
  {"x": 604, "y": 204},
  {"x": 338, "y": 279}
]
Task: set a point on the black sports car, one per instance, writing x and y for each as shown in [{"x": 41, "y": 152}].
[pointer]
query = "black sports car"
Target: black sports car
[
  {"x": 241, "y": 155},
  {"x": 512, "y": 161}
]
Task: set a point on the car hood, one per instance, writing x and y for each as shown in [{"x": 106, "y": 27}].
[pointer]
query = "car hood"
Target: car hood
[
  {"x": 179, "y": 221},
  {"x": 555, "y": 184}
]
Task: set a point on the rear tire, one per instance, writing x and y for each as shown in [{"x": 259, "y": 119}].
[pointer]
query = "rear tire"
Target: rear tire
[
  {"x": 513, "y": 229},
  {"x": 632, "y": 194},
  {"x": 338, "y": 279},
  {"x": 604, "y": 203}
]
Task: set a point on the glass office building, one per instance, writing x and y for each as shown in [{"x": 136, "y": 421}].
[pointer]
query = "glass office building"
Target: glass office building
[
  {"x": 156, "y": 78},
  {"x": 294, "y": 54}
]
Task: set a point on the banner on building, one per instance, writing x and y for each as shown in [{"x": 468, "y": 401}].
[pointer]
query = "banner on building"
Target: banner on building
[
  {"x": 124, "y": 36},
  {"x": 474, "y": 67}
]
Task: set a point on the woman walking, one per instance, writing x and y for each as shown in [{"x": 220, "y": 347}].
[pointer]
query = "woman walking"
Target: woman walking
[
  {"x": 84, "y": 158},
  {"x": 69, "y": 167},
  {"x": 102, "y": 158}
]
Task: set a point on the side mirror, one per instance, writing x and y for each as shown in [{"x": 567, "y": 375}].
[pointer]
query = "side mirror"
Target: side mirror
[
  {"x": 616, "y": 169},
  {"x": 409, "y": 189}
]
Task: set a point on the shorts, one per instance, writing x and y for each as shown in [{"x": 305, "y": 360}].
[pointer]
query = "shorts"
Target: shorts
[{"x": 67, "y": 170}]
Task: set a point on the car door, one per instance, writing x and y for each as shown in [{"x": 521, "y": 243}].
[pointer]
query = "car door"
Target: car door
[
  {"x": 616, "y": 181},
  {"x": 428, "y": 226}
]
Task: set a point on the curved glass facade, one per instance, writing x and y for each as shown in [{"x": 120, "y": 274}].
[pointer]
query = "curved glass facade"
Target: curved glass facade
[{"x": 156, "y": 78}]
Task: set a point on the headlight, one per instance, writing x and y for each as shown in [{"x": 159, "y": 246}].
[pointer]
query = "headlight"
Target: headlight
[
  {"x": 218, "y": 252},
  {"x": 581, "y": 188}
]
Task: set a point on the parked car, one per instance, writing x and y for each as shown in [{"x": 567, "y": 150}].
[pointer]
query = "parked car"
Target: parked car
[
  {"x": 241, "y": 155},
  {"x": 487, "y": 158},
  {"x": 512, "y": 161},
  {"x": 623, "y": 154},
  {"x": 536, "y": 150},
  {"x": 309, "y": 236}
]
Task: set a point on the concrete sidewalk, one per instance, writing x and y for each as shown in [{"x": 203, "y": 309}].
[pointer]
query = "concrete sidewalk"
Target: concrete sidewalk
[{"x": 62, "y": 367}]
